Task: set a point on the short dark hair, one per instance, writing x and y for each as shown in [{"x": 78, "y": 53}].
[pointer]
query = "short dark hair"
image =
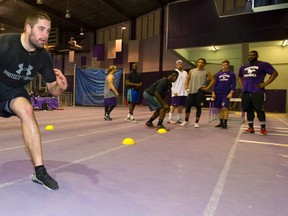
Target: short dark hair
[
  {"x": 255, "y": 52},
  {"x": 226, "y": 61},
  {"x": 33, "y": 18},
  {"x": 202, "y": 60}
]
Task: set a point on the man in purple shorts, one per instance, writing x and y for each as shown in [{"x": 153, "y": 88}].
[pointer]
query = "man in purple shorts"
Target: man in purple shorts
[
  {"x": 178, "y": 94},
  {"x": 156, "y": 98},
  {"x": 225, "y": 82},
  {"x": 251, "y": 80}
]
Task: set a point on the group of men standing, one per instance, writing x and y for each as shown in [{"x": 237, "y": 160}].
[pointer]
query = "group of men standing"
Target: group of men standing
[{"x": 188, "y": 89}]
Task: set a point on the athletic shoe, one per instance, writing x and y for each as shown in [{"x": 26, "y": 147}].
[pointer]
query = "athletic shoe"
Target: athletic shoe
[
  {"x": 196, "y": 125},
  {"x": 224, "y": 126},
  {"x": 185, "y": 123},
  {"x": 162, "y": 127},
  {"x": 171, "y": 121},
  {"x": 179, "y": 121},
  {"x": 133, "y": 120},
  {"x": 107, "y": 118},
  {"x": 219, "y": 125},
  {"x": 249, "y": 131},
  {"x": 263, "y": 132},
  {"x": 45, "y": 179},
  {"x": 150, "y": 124}
]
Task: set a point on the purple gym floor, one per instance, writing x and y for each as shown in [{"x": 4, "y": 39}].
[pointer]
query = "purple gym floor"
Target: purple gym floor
[{"x": 188, "y": 171}]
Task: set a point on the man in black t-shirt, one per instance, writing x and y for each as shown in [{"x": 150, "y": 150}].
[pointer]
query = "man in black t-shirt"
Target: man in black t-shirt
[
  {"x": 22, "y": 56},
  {"x": 133, "y": 83},
  {"x": 156, "y": 98}
]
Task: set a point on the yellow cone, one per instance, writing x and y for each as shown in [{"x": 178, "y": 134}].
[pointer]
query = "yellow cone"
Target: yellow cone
[
  {"x": 128, "y": 141},
  {"x": 162, "y": 130},
  {"x": 49, "y": 127}
]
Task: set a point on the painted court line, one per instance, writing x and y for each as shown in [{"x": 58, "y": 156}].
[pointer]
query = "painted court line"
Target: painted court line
[
  {"x": 12, "y": 148},
  {"x": 282, "y": 121},
  {"x": 69, "y": 137},
  {"x": 214, "y": 199},
  {"x": 258, "y": 127},
  {"x": 17, "y": 181},
  {"x": 99, "y": 154},
  {"x": 24, "y": 179},
  {"x": 265, "y": 143},
  {"x": 277, "y": 134},
  {"x": 279, "y": 128},
  {"x": 280, "y": 131}
]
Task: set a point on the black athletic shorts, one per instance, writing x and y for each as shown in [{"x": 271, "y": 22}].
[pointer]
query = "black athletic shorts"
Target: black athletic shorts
[
  {"x": 253, "y": 101},
  {"x": 7, "y": 94},
  {"x": 196, "y": 99}
]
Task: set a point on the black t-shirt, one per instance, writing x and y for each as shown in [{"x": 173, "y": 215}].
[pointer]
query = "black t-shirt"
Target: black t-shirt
[
  {"x": 18, "y": 66},
  {"x": 162, "y": 86},
  {"x": 134, "y": 77}
]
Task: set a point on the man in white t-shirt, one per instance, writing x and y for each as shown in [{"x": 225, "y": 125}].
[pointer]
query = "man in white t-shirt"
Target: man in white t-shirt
[{"x": 178, "y": 94}]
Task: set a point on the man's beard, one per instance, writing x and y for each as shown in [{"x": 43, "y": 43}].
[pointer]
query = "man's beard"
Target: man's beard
[{"x": 36, "y": 45}]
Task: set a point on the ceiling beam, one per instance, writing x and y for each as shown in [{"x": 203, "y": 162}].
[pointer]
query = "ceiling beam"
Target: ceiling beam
[
  {"x": 11, "y": 23},
  {"x": 60, "y": 15},
  {"x": 115, "y": 7},
  {"x": 159, "y": 3}
]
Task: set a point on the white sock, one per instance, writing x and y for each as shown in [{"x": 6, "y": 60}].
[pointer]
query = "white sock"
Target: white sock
[{"x": 170, "y": 116}]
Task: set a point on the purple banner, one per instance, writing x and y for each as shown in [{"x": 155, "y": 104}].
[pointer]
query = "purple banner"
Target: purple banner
[
  {"x": 99, "y": 52},
  {"x": 119, "y": 58},
  {"x": 83, "y": 60}
]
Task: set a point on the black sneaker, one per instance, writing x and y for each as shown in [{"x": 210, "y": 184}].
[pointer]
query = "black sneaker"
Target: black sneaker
[
  {"x": 219, "y": 125},
  {"x": 162, "y": 126},
  {"x": 224, "y": 126},
  {"x": 107, "y": 118},
  {"x": 45, "y": 179},
  {"x": 150, "y": 124}
]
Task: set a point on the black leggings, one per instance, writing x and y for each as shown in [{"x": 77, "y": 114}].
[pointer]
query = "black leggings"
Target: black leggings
[
  {"x": 196, "y": 100},
  {"x": 254, "y": 102},
  {"x": 108, "y": 109},
  {"x": 260, "y": 115}
]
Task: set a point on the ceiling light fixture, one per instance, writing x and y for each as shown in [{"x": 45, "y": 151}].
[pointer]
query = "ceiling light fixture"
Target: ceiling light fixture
[
  {"x": 2, "y": 27},
  {"x": 213, "y": 48},
  {"x": 123, "y": 26},
  {"x": 284, "y": 43},
  {"x": 81, "y": 31},
  {"x": 67, "y": 15},
  {"x": 40, "y": 1}
]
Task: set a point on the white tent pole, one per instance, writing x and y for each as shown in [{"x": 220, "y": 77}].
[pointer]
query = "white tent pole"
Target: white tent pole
[
  {"x": 74, "y": 86},
  {"x": 123, "y": 90}
]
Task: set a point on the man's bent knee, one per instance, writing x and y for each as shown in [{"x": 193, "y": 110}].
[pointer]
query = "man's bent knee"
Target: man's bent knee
[{"x": 21, "y": 106}]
